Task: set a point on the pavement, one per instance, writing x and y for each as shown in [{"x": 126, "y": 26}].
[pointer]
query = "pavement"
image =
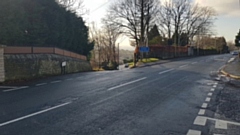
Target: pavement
[
  {"x": 141, "y": 64},
  {"x": 227, "y": 105},
  {"x": 172, "y": 98},
  {"x": 232, "y": 68}
]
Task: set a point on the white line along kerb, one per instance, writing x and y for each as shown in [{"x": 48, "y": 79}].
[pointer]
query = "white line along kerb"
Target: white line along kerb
[
  {"x": 121, "y": 85},
  {"x": 33, "y": 114},
  {"x": 166, "y": 71}
]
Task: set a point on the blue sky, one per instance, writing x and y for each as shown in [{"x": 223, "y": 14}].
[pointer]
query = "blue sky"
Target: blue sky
[{"x": 227, "y": 23}]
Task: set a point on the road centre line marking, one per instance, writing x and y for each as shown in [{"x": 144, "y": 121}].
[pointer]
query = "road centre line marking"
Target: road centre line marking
[
  {"x": 41, "y": 84},
  {"x": 193, "y": 132},
  {"x": 56, "y": 81},
  {"x": 121, "y": 85},
  {"x": 133, "y": 88},
  {"x": 212, "y": 89},
  {"x": 33, "y": 114},
  {"x": 204, "y": 105},
  {"x": 69, "y": 79},
  {"x": 208, "y": 99},
  {"x": 165, "y": 71},
  {"x": 201, "y": 112},
  {"x": 210, "y": 94},
  {"x": 183, "y": 66},
  {"x": 14, "y": 89}
]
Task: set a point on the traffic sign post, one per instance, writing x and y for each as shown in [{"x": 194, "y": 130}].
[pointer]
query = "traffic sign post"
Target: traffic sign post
[{"x": 144, "y": 49}]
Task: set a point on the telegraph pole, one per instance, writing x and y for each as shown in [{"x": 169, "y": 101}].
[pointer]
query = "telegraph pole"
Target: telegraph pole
[{"x": 118, "y": 57}]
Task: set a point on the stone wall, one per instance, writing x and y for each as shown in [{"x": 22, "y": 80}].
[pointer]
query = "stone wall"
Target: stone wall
[
  {"x": 2, "y": 74},
  {"x": 27, "y": 66}
]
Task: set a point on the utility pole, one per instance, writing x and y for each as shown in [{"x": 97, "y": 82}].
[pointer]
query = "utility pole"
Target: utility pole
[
  {"x": 142, "y": 27},
  {"x": 118, "y": 57}
]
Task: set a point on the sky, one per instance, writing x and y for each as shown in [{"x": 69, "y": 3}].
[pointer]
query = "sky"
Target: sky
[{"x": 227, "y": 23}]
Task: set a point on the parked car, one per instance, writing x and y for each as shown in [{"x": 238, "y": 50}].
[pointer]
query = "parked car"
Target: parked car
[
  {"x": 126, "y": 65},
  {"x": 235, "y": 53}
]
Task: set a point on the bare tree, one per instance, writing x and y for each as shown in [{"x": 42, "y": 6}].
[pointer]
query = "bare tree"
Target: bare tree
[
  {"x": 183, "y": 16},
  {"x": 112, "y": 33},
  {"x": 96, "y": 36},
  {"x": 134, "y": 17},
  {"x": 199, "y": 21},
  {"x": 164, "y": 20}
]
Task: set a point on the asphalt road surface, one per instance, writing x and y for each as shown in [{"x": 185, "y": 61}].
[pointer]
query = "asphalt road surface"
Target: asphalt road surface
[{"x": 164, "y": 99}]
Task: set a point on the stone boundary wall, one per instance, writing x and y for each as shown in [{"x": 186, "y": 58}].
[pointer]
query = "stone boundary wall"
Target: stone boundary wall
[{"x": 21, "y": 63}]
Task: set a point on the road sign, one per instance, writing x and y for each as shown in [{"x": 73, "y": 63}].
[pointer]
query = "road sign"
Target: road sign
[
  {"x": 144, "y": 49},
  {"x": 64, "y": 64}
]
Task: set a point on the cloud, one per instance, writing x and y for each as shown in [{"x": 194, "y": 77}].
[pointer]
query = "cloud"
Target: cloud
[{"x": 223, "y": 7}]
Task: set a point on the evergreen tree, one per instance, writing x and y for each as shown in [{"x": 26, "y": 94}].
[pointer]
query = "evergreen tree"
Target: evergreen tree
[
  {"x": 237, "y": 40},
  {"x": 153, "y": 33},
  {"x": 42, "y": 23}
]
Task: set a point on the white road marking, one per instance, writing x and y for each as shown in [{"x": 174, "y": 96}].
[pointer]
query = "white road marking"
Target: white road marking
[
  {"x": 201, "y": 112},
  {"x": 208, "y": 99},
  {"x": 218, "y": 134},
  {"x": 194, "y": 63},
  {"x": 210, "y": 94},
  {"x": 204, "y": 105},
  {"x": 121, "y": 85},
  {"x": 214, "y": 86},
  {"x": 221, "y": 124},
  {"x": 193, "y": 132},
  {"x": 212, "y": 89},
  {"x": 123, "y": 92},
  {"x": 14, "y": 89},
  {"x": 231, "y": 60},
  {"x": 56, "y": 81},
  {"x": 166, "y": 71},
  {"x": 216, "y": 83},
  {"x": 183, "y": 66},
  {"x": 200, "y": 121},
  {"x": 33, "y": 114},
  {"x": 41, "y": 84}
]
